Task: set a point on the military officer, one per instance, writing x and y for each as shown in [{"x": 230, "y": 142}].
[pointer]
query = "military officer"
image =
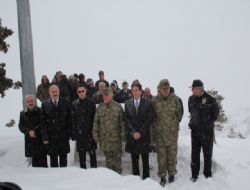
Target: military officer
[
  {"x": 109, "y": 130},
  {"x": 168, "y": 113}
]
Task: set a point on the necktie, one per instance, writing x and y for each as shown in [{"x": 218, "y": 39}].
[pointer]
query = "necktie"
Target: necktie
[
  {"x": 55, "y": 102},
  {"x": 136, "y": 105}
]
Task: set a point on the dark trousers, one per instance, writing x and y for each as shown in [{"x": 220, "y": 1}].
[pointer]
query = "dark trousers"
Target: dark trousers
[
  {"x": 39, "y": 160},
  {"x": 204, "y": 141},
  {"x": 145, "y": 164},
  {"x": 92, "y": 155},
  {"x": 62, "y": 159}
]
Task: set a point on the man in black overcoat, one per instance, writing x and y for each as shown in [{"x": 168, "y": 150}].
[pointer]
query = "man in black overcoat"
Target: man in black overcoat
[
  {"x": 138, "y": 117},
  {"x": 56, "y": 125},
  {"x": 29, "y": 125},
  {"x": 83, "y": 113}
]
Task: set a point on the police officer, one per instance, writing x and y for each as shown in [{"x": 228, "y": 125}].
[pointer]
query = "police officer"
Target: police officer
[{"x": 204, "y": 111}]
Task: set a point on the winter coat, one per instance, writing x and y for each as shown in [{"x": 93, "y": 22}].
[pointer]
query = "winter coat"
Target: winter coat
[
  {"x": 90, "y": 92},
  {"x": 168, "y": 113},
  {"x": 83, "y": 113},
  {"x": 97, "y": 97},
  {"x": 56, "y": 125},
  {"x": 122, "y": 96},
  {"x": 97, "y": 83},
  {"x": 65, "y": 88},
  {"x": 138, "y": 122},
  {"x": 30, "y": 120},
  {"x": 72, "y": 91},
  {"x": 204, "y": 110},
  {"x": 42, "y": 92}
]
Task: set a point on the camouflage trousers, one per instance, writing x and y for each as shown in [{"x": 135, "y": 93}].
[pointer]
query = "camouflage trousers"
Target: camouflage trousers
[
  {"x": 114, "y": 161},
  {"x": 167, "y": 159}
]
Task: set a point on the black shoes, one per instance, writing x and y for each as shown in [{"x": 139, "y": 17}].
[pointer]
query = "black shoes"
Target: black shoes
[
  {"x": 193, "y": 179},
  {"x": 171, "y": 179},
  {"x": 208, "y": 175},
  {"x": 163, "y": 182}
]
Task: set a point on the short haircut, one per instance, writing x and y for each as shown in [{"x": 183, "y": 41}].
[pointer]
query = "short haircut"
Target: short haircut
[
  {"x": 101, "y": 72},
  {"x": 138, "y": 85},
  {"x": 82, "y": 85},
  {"x": 102, "y": 84},
  {"x": 29, "y": 95}
]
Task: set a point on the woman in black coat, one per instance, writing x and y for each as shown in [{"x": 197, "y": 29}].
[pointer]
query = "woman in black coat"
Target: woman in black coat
[
  {"x": 83, "y": 112},
  {"x": 138, "y": 118}
]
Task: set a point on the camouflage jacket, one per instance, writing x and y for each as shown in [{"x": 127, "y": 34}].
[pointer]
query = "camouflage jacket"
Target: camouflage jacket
[
  {"x": 168, "y": 113},
  {"x": 108, "y": 129}
]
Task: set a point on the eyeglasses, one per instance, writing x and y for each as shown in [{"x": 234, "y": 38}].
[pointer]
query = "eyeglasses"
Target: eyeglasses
[{"x": 82, "y": 91}]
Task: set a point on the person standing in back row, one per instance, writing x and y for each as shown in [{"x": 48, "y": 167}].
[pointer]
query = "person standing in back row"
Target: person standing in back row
[
  {"x": 204, "y": 111},
  {"x": 101, "y": 79}
]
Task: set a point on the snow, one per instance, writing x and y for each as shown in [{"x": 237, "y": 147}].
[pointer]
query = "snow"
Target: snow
[
  {"x": 231, "y": 169},
  {"x": 149, "y": 40}
]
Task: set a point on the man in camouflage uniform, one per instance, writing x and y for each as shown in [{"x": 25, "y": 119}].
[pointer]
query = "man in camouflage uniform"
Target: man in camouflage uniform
[
  {"x": 166, "y": 126},
  {"x": 109, "y": 130}
]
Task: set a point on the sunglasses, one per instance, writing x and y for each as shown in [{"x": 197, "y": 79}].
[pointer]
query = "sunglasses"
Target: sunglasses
[{"x": 81, "y": 91}]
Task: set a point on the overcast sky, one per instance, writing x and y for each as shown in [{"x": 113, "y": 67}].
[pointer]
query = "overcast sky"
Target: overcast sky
[{"x": 146, "y": 39}]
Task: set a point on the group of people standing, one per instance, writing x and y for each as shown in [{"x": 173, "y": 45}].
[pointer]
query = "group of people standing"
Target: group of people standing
[{"x": 62, "y": 116}]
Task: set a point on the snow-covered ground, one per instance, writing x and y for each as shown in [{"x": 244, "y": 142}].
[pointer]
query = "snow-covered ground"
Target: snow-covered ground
[
  {"x": 180, "y": 40},
  {"x": 231, "y": 168}
]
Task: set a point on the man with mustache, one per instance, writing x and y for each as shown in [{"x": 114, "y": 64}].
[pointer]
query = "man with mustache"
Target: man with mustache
[{"x": 56, "y": 124}]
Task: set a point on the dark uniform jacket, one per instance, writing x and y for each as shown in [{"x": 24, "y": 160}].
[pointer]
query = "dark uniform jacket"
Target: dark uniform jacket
[
  {"x": 138, "y": 122},
  {"x": 30, "y": 120},
  {"x": 204, "y": 111},
  {"x": 123, "y": 95},
  {"x": 56, "y": 124},
  {"x": 83, "y": 113},
  {"x": 97, "y": 83},
  {"x": 90, "y": 92}
]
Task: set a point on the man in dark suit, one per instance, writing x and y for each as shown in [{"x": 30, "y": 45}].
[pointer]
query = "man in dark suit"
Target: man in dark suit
[
  {"x": 138, "y": 117},
  {"x": 56, "y": 125}
]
